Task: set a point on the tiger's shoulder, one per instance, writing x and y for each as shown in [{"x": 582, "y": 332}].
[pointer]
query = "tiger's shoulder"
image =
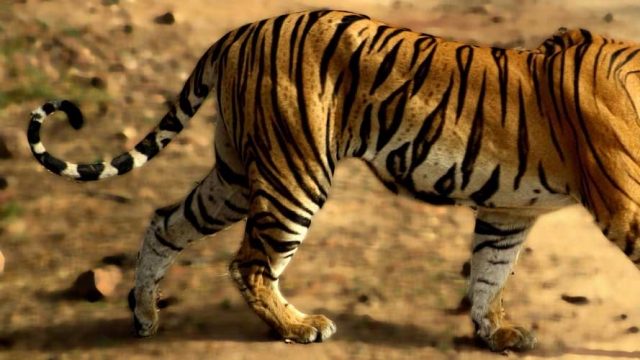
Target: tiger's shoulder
[{"x": 565, "y": 38}]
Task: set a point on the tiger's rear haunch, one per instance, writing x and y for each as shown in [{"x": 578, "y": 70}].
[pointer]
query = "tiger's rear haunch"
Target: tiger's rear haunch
[{"x": 512, "y": 133}]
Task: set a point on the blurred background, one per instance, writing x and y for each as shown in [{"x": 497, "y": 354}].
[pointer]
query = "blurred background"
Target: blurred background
[{"x": 388, "y": 270}]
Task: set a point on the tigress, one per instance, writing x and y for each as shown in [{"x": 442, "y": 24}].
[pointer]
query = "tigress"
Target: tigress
[{"x": 511, "y": 133}]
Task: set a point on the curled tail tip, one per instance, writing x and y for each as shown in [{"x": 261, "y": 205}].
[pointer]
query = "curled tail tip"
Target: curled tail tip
[
  {"x": 74, "y": 115},
  {"x": 76, "y": 119}
]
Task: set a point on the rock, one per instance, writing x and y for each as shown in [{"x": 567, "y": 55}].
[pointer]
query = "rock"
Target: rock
[
  {"x": 98, "y": 82},
  {"x": 363, "y": 298},
  {"x": 13, "y": 144},
  {"x": 127, "y": 133},
  {"x": 96, "y": 284},
  {"x": 608, "y": 18},
  {"x": 165, "y": 19},
  {"x": 1, "y": 263},
  {"x": 633, "y": 330},
  {"x": 575, "y": 300},
  {"x": 3, "y": 183},
  {"x": 622, "y": 317}
]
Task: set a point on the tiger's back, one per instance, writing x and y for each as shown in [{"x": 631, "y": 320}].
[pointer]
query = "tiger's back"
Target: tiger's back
[{"x": 512, "y": 133}]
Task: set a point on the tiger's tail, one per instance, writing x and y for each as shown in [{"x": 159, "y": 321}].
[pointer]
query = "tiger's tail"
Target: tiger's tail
[{"x": 193, "y": 93}]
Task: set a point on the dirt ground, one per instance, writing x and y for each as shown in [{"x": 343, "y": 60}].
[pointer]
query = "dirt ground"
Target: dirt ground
[{"x": 386, "y": 269}]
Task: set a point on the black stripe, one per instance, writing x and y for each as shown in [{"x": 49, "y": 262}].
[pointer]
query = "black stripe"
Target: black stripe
[
  {"x": 502, "y": 63},
  {"x": 397, "y": 161},
  {"x": 499, "y": 262},
  {"x": 381, "y": 29},
  {"x": 280, "y": 187},
  {"x": 488, "y": 189},
  {"x": 365, "y": 132},
  {"x": 254, "y": 41},
  {"x": 385, "y": 67},
  {"x": 386, "y": 40},
  {"x": 166, "y": 243},
  {"x": 254, "y": 242},
  {"x": 74, "y": 115},
  {"x": 495, "y": 245},
  {"x": 354, "y": 70},
  {"x": 124, "y": 163},
  {"x": 90, "y": 171},
  {"x": 148, "y": 146},
  {"x": 261, "y": 264},
  {"x": 292, "y": 43},
  {"x": 613, "y": 58},
  {"x": 484, "y": 228},
  {"x": 543, "y": 179},
  {"x": 536, "y": 84},
  {"x": 423, "y": 71},
  {"x": 204, "y": 214},
  {"x": 475, "y": 137},
  {"x": 48, "y": 108},
  {"x": 463, "y": 69},
  {"x": 285, "y": 211},
  {"x": 328, "y": 52},
  {"x": 170, "y": 122},
  {"x": 33, "y": 132},
  {"x": 53, "y": 164},
  {"x": 629, "y": 57},
  {"x": 265, "y": 220},
  {"x": 427, "y": 136},
  {"x": 596, "y": 64},
  {"x": 191, "y": 216},
  {"x": 279, "y": 245},
  {"x": 304, "y": 117},
  {"x": 235, "y": 208},
  {"x": 447, "y": 183},
  {"x": 185, "y": 104},
  {"x": 417, "y": 50},
  {"x": 523, "y": 140},
  {"x": 486, "y": 281},
  {"x": 285, "y": 139},
  {"x": 551, "y": 87},
  {"x": 387, "y": 131},
  {"x": 227, "y": 174}
]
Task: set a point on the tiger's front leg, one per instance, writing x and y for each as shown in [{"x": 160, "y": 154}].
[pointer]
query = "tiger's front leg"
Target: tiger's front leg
[
  {"x": 275, "y": 228},
  {"x": 498, "y": 237}
]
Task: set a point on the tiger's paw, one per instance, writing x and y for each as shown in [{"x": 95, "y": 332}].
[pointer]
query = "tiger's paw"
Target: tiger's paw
[
  {"x": 312, "y": 328},
  {"x": 511, "y": 338},
  {"x": 143, "y": 326}
]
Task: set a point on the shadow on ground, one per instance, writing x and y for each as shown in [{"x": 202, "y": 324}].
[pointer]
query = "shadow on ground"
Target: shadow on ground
[{"x": 235, "y": 324}]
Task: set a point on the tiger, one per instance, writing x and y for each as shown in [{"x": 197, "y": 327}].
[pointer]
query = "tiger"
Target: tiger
[{"x": 510, "y": 133}]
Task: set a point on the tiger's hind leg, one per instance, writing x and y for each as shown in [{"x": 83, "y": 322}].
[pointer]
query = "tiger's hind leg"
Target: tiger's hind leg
[
  {"x": 498, "y": 237},
  {"x": 276, "y": 226},
  {"x": 220, "y": 200}
]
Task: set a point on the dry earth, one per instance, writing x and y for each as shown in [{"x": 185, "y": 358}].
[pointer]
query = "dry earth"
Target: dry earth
[{"x": 387, "y": 269}]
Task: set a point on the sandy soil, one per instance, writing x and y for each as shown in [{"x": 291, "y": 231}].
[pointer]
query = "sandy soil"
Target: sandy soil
[{"x": 386, "y": 269}]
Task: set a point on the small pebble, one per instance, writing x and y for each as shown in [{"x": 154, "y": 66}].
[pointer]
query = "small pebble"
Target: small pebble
[
  {"x": 165, "y": 19},
  {"x": 576, "y": 300}
]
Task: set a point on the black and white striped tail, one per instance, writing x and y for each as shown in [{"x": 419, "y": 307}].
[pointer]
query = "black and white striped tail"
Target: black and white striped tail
[{"x": 170, "y": 125}]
